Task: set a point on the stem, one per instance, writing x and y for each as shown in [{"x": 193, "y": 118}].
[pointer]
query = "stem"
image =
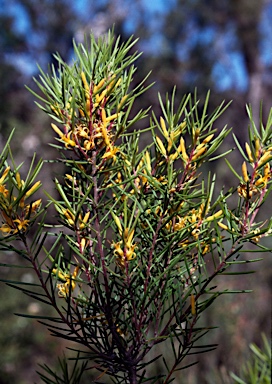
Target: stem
[
  {"x": 132, "y": 375},
  {"x": 53, "y": 301},
  {"x": 107, "y": 306}
]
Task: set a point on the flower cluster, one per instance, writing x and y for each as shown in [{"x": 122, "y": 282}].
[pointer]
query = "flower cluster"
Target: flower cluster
[
  {"x": 16, "y": 214},
  {"x": 124, "y": 250},
  {"x": 68, "y": 281},
  {"x": 261, "y": 172},
  {"x": 90, "y": 126},
  {"x": 174, "y": 151}
]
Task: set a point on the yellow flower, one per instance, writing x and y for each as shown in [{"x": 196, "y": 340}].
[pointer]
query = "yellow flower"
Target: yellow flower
[
  {"x": 70, "y": 217},
  {"x": 182, "y": 149},
  {"x": 215, "y": 216},
  {"x": 33, "y": 189},
  {"x": 125, "y": 249},
  {"x": 223, "y": 226},
  {"x": 84, "y": 221},
  {"x": 246, "y": 191},
  {"x": 6, "y": 229},
  {"x": 265, "y": 157},
  {"x": 99, "y": 85},
  {"x": 66, "y": 138},
  {"x": 249, "y": 153},
  {"x": 21, "y": 224},
  {"x": 13, "y": 226},
  {"x": 244, "y": 172},
  {"x": 4, "y": 191},
  {"x": 110, "y": 153},
  {"x": 2, "y": 179},
  {"x": 161, "y": 146},
  {"x": 164, "y": 129},
  {"x": 198, "y": 153},
  {"x": 69, "y": 285},
  {"x": 85, "y": 84}
]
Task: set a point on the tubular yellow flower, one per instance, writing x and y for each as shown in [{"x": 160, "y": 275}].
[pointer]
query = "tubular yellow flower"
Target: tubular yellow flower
[
  {"x": 99, "y": 85},
  {"x": 246, "y": 192},
  {"x": 171, "y": 141},
  {"x": 183, "y": 149},
  {"x": 33, "y": 207},
  {"x": 265, "y": 157},
  {"x": 86, "y": 217},
  {"x": 263, "y": 180},
  {"x": 244, "y": 172},
  {"x": 216, "y": 215},
  {"x": 2, "y": 179},
  {"x": 122, "y": 102},
  {"x": 128, "y": 236},
  {"x": 110, "y": 153},
  {"x": 148, "y": 161},
  {"x": 193, "y": 305},
  {"x": 200, "y": 146},
  {"x": 57, "y": 130},
  {"x": 111, "y": 117},
  {"x": 4, "y": 191},
  {"x": 163, "y": 126},
  {"x": 105, "y": 134},
  {"x": 140, "y": 165},
  {"x": 249, "y": 153},
  {"x": 58, "y": 273},
  {"x": 118, "y": 223},
  {"x": 257, "y": 147},
  {"x": 88, "y": 107},
  {"x": 195, "y": 134},
  {"x": 83, "y": 243},
  {"x": 182, "y": 126},
  {"x": 208, "y": 138},
  {"x": 100, "y": 97},
  {"x": 103, "y": 116},
  {"x": 198, "y": 153},
  {"x": 33, "y": 189},
  {"x": 267, "y": 170},
  {"x": 71, "y": 178},
  {"x": 161, "y": 146},
  {"x": 56, "y": 110},
  {"x": 84, "y": 221},
  {"x": 113, "y": 84},
  {"x": 68, "y": 141},
  {"x": 69, "y": 216},
  {"x": 129, "y": 252},
  {"x": 173, "y": 156},
  {"x": 85, "y": 84},
  {"x": 223, "y": 226},
  {"x": 18, "y": 179}
]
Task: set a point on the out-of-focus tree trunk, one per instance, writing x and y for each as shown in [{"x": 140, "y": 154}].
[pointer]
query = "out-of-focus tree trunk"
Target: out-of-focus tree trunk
[{"x": 247, "y": 15}]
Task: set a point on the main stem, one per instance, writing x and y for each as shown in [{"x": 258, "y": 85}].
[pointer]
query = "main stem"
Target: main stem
[{"x": 132, "y": 375}]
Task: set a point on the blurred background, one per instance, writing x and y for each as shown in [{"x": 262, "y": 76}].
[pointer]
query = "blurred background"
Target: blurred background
[{"x": 224, "y": 46}]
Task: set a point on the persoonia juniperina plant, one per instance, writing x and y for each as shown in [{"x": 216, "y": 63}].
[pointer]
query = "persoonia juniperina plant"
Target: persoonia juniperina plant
[{"x": 139, "y": 235}]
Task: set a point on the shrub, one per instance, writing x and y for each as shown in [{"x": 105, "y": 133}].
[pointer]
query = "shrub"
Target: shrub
[{"x": 139, "y": 233}]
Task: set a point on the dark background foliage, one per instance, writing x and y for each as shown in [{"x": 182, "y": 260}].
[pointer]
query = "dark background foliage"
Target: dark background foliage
[{"x": 218, "y": 45}]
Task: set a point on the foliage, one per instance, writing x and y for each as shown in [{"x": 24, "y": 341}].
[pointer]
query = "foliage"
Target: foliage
[
  {"x": 258, "y": 369},
  {"x": 139, "y": 235}
]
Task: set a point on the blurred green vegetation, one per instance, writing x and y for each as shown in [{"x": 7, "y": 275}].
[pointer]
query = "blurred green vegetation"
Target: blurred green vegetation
[{"x": 257, "y": 370}]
